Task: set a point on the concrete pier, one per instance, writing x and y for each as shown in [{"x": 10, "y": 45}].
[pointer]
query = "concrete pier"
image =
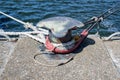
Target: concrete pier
[
  {"x": 95, "y": 60},
  {"x": 6, "y": 49}
]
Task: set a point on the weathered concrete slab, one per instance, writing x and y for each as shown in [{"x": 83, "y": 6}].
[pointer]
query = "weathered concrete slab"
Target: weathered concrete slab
[
  {"x": 6, "y": 49},
  {"x": 114, "y": 51},
  {"x": 92, "y": 63}
]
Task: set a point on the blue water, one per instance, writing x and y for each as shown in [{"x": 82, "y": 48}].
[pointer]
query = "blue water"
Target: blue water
[{"x": 35, "y": 10}]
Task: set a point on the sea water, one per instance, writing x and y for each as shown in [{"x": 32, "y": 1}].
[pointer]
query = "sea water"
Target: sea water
[{"x": 35, "y": 10}]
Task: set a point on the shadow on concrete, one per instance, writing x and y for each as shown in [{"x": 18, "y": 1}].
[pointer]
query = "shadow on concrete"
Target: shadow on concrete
[
  {"x": 60, "y": 59},
  {"x": 85, "y": 43}
]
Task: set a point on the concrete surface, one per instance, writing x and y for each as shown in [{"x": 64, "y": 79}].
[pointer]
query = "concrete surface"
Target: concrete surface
[
  {"x": 114, "y": 51},
  {"x": 6, "y": 49},
  {"x": 91, "y": 63}
]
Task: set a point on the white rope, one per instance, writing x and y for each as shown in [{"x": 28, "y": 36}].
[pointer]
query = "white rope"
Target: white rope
[
  {"x": 40, "y": 36},
  {"x": 13, "y": 18},
  {"x": 22, "y": 33},
  {"x": 41, "y": 32},
  {"x": 114, "y": 34},
  {"x": 26, "y": 24},
  {"x": 4, "y": 35},
  {"x": 42, "y": 40}
]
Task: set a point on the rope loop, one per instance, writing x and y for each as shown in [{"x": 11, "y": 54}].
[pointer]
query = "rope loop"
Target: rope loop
[{"x": 94, "y": 18}]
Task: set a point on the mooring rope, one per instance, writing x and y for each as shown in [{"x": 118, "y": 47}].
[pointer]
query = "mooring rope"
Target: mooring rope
[
  {"x": 51, "y": 65},
  {"x": 26, "y": 24},
  {"x": 20, "y": 33},
  {"x": 112, "y": 35},
  {"x": 32, "y": 34},
  {"x": 41, "y": 31}
]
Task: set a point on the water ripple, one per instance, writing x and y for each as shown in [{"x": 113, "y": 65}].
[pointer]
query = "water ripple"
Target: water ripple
[{"x": 36, "y": 10}]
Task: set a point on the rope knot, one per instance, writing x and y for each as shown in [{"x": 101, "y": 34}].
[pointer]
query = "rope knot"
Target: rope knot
[{"x": 28, "y": 25}]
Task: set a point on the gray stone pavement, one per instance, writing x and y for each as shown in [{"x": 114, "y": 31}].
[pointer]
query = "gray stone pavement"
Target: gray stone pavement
[
  {"x": 6, "y": 49},
  {"x": 92, "y": 62},
  {"x": 113, "y": 48}
]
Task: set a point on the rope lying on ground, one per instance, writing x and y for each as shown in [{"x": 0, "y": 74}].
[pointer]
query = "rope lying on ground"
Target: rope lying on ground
[{"x": 51, "y": 65}]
